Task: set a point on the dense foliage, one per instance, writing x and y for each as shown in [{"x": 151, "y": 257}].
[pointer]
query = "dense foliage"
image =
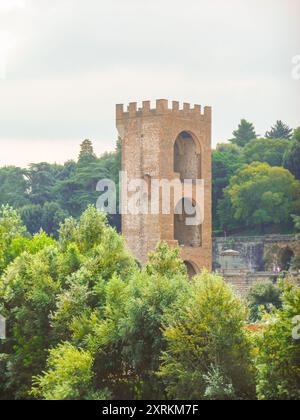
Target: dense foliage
[
  {"x": 244, "y": 134},
  {"x": 227, "y": 160},
  {"x": 236, "y": 172},
  {"x": 207, "y": 336},
  {"x": 263, "y": 297},
  {"x": 48, "y": 284},
  {"x": 292, "y": 155},
  {"x": 269, "y": 151},
  {"x": 278, "y": 361},
  {"x": 84, "y": 321},
  {"x": 46, "y": 194},
  {"x": 279, "y": 131},
  {"x": 259, "y": 195}
]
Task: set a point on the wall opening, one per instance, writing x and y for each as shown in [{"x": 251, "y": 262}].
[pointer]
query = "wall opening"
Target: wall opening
[
  {"x": 191, "y": 270},
  {"x": 285, "y": 258},
  {"x": 187, "y": 159},
  {"x": 185, "y": 234}
]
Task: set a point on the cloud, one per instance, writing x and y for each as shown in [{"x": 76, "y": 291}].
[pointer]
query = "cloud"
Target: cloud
[
  {"x": 9, "y": 5},
  {"x": 72, "y": 60}
]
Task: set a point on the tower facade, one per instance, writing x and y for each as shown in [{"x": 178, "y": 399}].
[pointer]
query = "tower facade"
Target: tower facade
[{"x": 168, "y": 143}]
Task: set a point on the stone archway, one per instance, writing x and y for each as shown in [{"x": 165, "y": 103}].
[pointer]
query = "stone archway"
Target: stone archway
[
  {"x": 279, "y": 252},
  {"x": 286, "y": 256},
  {"x": 191, "y": 269}
]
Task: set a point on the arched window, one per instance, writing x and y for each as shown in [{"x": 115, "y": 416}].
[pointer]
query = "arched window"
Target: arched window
[
  {"x": 187, "y": 159},
  {"x": 185, "y": 233}
]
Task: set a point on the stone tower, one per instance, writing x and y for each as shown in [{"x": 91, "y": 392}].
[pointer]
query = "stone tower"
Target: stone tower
[{"x": 168, "y": 143}]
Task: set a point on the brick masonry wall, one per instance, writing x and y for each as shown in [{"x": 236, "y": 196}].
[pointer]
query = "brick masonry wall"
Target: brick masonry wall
[
  {"x": 243, "y": 282},
  {"x": 148, "y": 140},
  {"x": 257, "y": 253}
]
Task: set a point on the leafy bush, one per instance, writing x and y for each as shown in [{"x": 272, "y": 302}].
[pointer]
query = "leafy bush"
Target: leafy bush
[
  {"x": 207, "y": 330},
  {"x": 218, "y": 387},
  {"x": 84, "y": 321},
  {"x": 270, "y": 151},
  {"x": 69, "y": 376},
  {"x": 48, "y": 284},
  {"x": 278, "y": 361},
  {"x": 264, "y": 296},
  {"x": 260, "y": 194},
  {"x": 11, "y": 227}
]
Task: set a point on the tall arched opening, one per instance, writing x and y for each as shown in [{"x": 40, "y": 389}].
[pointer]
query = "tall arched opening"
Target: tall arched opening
[{"x": 187, "y": 157}]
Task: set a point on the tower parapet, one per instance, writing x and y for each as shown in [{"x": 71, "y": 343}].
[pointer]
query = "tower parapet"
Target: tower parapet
[{"x": 162, "y": 108}]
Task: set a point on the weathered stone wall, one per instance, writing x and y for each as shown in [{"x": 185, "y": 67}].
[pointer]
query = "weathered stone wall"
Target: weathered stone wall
[
  {"x": 149, "y": 152},
  {"x": 243, "y": 282},
  {"x": 257, "y": 253},
  {"x": 258, "y": 260}
]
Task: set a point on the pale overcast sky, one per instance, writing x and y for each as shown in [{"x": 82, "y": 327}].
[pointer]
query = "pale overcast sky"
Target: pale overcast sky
[{"x": 64, "y": 64}]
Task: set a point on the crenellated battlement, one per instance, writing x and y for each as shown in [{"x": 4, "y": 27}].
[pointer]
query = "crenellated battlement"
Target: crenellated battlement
[{"x": 162, "y": 107}]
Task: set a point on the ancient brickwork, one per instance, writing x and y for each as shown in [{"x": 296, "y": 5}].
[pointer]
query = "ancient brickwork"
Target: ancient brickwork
[
  {"x": 258, "y": 261},
  {"x": 167, "y": 142},
  {"x": 257, "y": 253},
  {"x": 243, "y": 282}
]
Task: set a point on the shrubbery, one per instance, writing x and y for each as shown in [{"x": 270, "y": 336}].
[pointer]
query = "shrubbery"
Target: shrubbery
[
  {"x": 85, "y": 322},
  {"x": 278, "y": 361},
  {"x": 263, "y": 297},
  {"x": 208, "y": 351}
]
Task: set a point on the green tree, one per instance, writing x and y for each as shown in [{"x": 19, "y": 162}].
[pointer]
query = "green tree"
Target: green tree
[
  {"x": 28, "y": 294},
  {"x": 86, "y": 154},
  {"x": 297, "y": 222},
  {"x": 263, "y": 297},
  {"x": 278, "y": 357},
  {"x": 292, "y": 156},
  {"x": 110, "y": 326},
  {"x": 78, "y": 191},
  {"x": 11, "y": 227},
  {"x": 218, "y": 386},
  {"x": 151, "y": 297},
  {"x": 46, "y": 193},
  {"x": 47, "y": 217},
  {"x": 244, "y": 134},
  {"x": 165, "y": 262},
  {"x": 267, "y": 150},
  {"x": 13, "y": 187},
  {"x": 295, "y": 263},
  {"x": 225, "y": 213},
  {"x": 69, "y": 376},
  {"x": 42, "y": 177},
  {"x": 279, "y": 131},
  {"x": 261, "y": 195},
  {"x": 127, "y": 342},
  {"x": 205, "y": 335},
  {"x": 32, "y": 217},
  {"x": 48, "y": 285},
  {"x": 226, "y": 160},
  {"x": 52, "y": 216}
]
